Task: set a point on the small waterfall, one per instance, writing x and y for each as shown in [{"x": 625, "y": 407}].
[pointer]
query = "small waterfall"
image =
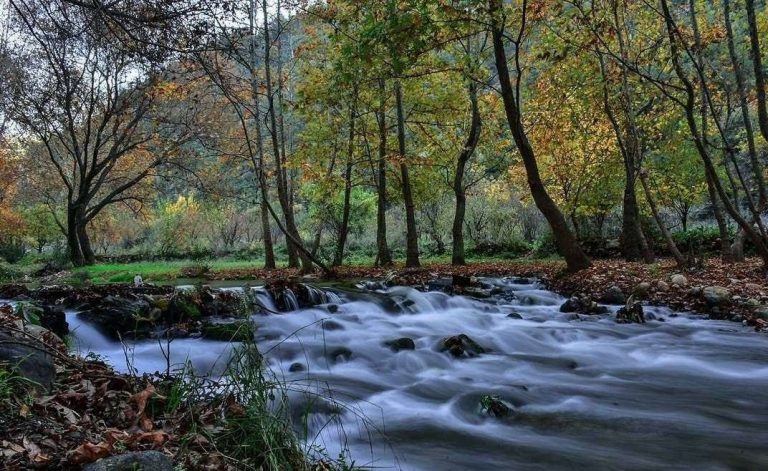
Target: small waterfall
[
  {"x": 333, "y": 298},
  {"x": 262, "y": 298},
  {"x": 291, "y": 302},
  {"x": 85, "y": 336},
  {"x": 316, "y": 295}
]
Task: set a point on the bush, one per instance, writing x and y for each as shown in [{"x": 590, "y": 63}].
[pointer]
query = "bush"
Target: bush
[
  {"x": 699, "y": 239},
  {"x": 10, "y": 273},
  {"x": 12, "y": 252},
  {"x": 511, "y": 249},
  {"x": 545, "y": 246}
]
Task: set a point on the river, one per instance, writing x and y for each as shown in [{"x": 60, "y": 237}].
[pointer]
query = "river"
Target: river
[{"x": 679, "y": 392}]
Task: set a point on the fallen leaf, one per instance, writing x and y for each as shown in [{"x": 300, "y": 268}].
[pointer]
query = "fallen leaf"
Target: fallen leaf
[{"x": 90, "y": 452}]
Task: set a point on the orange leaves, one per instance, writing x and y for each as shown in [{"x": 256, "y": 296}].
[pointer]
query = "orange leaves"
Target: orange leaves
[
  {"x": 11, "y": 223},
  {"x": 141, "y": 399},
  {"x": 90, "y": 452},
  {"x": 115, "y": 440},
  {"x": 169, "y": 90}
]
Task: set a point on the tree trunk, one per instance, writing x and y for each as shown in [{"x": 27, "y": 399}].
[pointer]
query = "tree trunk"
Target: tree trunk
[
  {"x": 630, "y": 229},
  {"x": 411, "y": 234},
  {"x": 569, "y": 248},
  {"x": 259, "y": 166},
  {"x": 671, "y": 246},
  {"x": 317, "y": 239},
  {"x": 344, "y": 230},
  {"x": 632, "y": 240},
  {"x": 293, "y": 237},
  {"x": 757, "y": 64},
  {"x": 73, "y": 241},
  {"x": 648, "y": 256},
  {"x": 755, "y": 236},
  {"x": 89, "y": 256},
  {"x": 757, "y": 168},
  {"x": 722, "y": 225},
  {"x": 737, "y": 248},
  {"x": 383, "y": 257},
  {"x": 457, "y": 257},
  {"x": 269, "y": 248}
]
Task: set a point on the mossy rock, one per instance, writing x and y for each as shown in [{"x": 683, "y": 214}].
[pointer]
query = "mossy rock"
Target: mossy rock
[
  {"x": 31, "y": 313},
  {"x": 228, "y": 332},
  {"x": 185, "y": 307},
  {"x": 161, "y": 303}
]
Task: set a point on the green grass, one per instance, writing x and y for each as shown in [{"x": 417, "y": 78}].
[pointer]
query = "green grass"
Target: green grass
[
  {"x": 164, "y": 271},
  {"x": 155, "y": 271},
  {"x": 253, "y": 427},
  {"x": 14, "y": 273},
  {"x": 15, "y": 390}
]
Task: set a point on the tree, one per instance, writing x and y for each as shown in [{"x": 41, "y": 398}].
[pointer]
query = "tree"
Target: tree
[
  {"x": 94, "y": 106},
  {"x": 566, "y": 242}
]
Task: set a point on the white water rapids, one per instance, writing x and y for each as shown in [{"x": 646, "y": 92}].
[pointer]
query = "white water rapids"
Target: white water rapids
[{"x": 587, "y": 393}]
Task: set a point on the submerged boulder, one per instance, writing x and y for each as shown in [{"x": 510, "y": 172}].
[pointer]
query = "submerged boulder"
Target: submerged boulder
[
  {"x": 582, "y": 305},
  {"x": 403, "y": 343},
  {"x": 332, "y": 325},
  {"x": 461, "y": 346},
  {"x": 339, "y": 354},
  {"x": 494, "y": 406}
]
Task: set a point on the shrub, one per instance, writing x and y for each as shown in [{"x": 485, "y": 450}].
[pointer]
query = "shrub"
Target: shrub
[
  {"x": 10, "y": 273},
  {"x": 511, "y": 249},
  {"x": 699, "y": 239},
  {"x": 545, "y": 246},
  {"x": 12, "y": 252}
]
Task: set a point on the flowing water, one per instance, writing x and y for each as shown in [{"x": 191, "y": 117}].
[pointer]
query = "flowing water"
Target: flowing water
[{"x": 587, "y": 393}]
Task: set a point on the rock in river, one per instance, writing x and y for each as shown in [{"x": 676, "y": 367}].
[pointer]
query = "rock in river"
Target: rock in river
[
  {"x": 403, "y": 343},
  {"x": 461, "y": 346},
  {"x": 631, "y": 313}
]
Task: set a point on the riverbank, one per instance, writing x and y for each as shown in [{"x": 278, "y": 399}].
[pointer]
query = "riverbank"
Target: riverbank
[{"x": 64, "y": 411}]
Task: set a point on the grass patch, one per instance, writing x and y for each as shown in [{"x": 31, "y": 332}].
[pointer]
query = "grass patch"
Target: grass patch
[
  {"x": 15, "y": 390},
  {"x": 156, "y": 271},
  {"x": 168, "y": 271},
  {"x": 244, "y": 415}
]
